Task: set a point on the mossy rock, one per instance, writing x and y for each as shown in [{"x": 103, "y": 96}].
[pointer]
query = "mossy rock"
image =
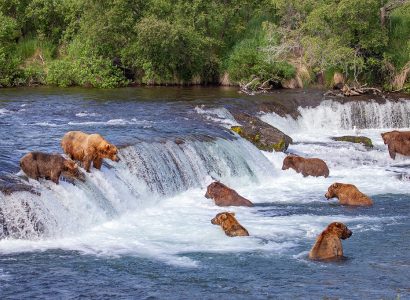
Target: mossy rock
[
  {"x": 264, "y": 136},
  {"x": 355, "y": 139}
]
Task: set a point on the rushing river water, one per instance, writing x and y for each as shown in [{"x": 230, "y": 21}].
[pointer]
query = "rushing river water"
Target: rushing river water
[{"x": 141, "y": 228}]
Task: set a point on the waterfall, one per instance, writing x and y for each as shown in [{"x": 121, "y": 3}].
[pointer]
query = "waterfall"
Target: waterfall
[
  {"x": 332, "y": 116},
  {"x": 147, "y": 173}
]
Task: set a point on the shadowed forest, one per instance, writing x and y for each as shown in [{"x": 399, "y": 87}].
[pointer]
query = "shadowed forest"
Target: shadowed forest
[{"x": 289, "y": 43}]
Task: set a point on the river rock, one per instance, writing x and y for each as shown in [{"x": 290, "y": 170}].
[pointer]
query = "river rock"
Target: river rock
[
  {"x": 355, "y": 139},
  {"x": 225, "y": 196},
  {"x": 261, "y": 134},
  {"x": 12, "y": 184}
]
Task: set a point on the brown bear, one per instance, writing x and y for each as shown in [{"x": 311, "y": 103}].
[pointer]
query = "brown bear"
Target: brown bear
[
  {"x": 225, "y": 196},
  {"x": 88, "y": 148},
  {"x": 348, "y": 194},
  {"x": 229, "y": 224},
  {"x": 307, "y": 166},
  {"x": 397, "y": 142},
  {"x": 49, "y": 166},
  {"x": 328, "y": 244}
]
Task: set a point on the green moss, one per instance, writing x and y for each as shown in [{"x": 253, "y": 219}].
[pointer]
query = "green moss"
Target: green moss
[
  {"x": 256, "y": 140},
  {"x": 355, "y": 139},
  {"x": 279, "y": 146},
  {"x": 237, "y": 129}
]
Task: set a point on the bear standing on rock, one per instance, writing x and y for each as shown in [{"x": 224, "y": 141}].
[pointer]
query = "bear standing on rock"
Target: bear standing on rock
[
  {"x": 328, "y": 244},
  {"x": 307, "y": 166},
  {"x": 348, "y": 194},
  {"x": 88, "y": 148},
  {"x": 397, "y": 142},
  {"x": 38, "y": 165}
]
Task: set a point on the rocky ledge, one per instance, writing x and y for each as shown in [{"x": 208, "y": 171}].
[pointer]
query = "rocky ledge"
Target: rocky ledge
[{"x": 261, "y": 134}]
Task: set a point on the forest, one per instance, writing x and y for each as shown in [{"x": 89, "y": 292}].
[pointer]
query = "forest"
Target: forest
[{"x": 114, "y": 43}]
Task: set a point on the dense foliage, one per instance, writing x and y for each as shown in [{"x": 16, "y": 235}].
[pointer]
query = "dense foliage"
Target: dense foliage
[{"x": 111, "y": 43}]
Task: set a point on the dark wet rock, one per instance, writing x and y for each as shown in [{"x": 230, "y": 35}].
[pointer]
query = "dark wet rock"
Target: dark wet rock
[
  {"x": 179, "y": 141},
  {"x": 225, "y": 196},
  {"x": 279, "y": 109},
  {"x": 261, "y": 134},
  {"x": 11, "y": 184},
  {"x": 355, "y": 139}
]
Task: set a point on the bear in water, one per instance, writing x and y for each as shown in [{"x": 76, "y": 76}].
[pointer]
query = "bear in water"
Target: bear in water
[
  {"x": 397, "y": 142},
  {"x": 49, "y": 166},
  {"x": 229, "y": 224},
  {"x": 88, "y": 148},
  {"x": 307, "y": 166},
  {"x": 225, "y": 196},
  {"x": 328, "y": 244},
  {"x": 348, "y": 194}
]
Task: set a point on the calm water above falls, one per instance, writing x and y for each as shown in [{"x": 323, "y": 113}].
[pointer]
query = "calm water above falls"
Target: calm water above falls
[{"x": 141, "y": 228}]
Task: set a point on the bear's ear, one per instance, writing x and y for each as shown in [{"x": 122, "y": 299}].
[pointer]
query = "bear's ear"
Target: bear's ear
[
  {"x": 107, "y": 147},
  {"x": 223, "y": 216},
  {"x": 335, "y": 185}
]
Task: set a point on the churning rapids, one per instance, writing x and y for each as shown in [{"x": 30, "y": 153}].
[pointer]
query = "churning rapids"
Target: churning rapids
[{"x": 141, "y": 228}]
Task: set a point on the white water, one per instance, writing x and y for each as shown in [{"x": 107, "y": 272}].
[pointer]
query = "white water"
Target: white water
[{"x": 152, "y": 203}]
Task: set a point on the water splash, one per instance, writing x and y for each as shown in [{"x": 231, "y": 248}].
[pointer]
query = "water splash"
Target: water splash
[
  {"x": 147, "y": 173},
  {"x": 332, "y": 116}
]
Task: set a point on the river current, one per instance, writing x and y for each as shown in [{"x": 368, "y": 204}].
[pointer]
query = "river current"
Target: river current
[{"x": 141, "y": 228}]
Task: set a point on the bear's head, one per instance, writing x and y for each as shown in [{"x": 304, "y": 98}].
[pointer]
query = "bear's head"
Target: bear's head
[
  {"x": 289, "y": 161},
  {"x": 71, "y": 167},
  {"x": 332, "y": 190},
  {"x": 389, "y": 136},
  {"x": 106, "y": 150},
  {"x": 214, "y": 189},
  {"x": 340, "y": 230},
  {"x": 224, "y": 218}
]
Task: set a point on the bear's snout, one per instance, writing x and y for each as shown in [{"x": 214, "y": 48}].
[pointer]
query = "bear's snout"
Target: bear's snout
[
  {"x": 116, "y": 158},
  {"x": 327, "y": 195},
  {"x": 213, "y": 221},
  {"x": 284, "y": 167},
  {"x": 347, "y": 234}
]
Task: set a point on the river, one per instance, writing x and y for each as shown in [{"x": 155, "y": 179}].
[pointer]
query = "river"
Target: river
[{"x": 141, "y": 228}]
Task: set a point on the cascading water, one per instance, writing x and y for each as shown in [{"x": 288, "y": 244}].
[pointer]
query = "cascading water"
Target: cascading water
[
  {"x": 331, "y": 116},
  {"x": 146, "y": 173}
]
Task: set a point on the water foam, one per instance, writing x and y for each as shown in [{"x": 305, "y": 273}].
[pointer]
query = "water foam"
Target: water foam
[
  {"x": 86, "y": 114},
  {"x": 113, "y": 122}
]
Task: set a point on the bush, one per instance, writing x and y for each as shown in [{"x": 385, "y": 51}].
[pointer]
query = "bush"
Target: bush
[
  {"x": 248, "y": 59},
  {"x": 87, "y": 72},
  {"x": 165, "y": 52}
]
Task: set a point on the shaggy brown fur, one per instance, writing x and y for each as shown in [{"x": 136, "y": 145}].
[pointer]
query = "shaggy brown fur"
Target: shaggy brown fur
[
  {"x": 229, "y": 224},
  {"x": 307, "y": 166},
  {"x": 49, "y": 166},
  {"x": 88, "y": 148},
  {"x": 328, "y": 244},
  {"x": 348, "y": 194},
  {"x": 225, "y": 196},
  {"x": 397, "y": 142}
]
